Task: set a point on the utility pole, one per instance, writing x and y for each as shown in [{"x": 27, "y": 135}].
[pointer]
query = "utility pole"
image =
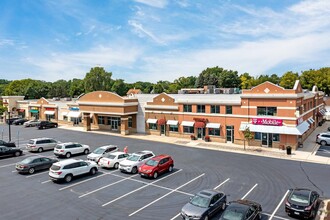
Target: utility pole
[{"x": 9, "y": 126}]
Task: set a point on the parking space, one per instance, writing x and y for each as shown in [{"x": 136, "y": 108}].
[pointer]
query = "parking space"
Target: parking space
[
  {"x": 323, "y": 151},
  {"x": 116, "y": 195}
]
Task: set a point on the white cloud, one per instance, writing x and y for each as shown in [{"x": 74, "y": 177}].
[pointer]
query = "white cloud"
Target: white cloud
[
  {"x": 7, "y": 42},
  {"x": 138, "y": 28},
  {"x": 153, "y": 3}
]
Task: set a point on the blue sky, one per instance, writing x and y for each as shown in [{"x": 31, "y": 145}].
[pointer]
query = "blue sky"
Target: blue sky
[{"x": 152, "y": 40}]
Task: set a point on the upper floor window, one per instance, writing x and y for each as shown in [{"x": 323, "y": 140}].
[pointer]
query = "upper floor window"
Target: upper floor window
[
  {"x": 187, "y": 108},
  {"x": 215, "y": 109},
  {"x": 272, "y": 111},
  {"x": 200, "y": 108},
  {"x": 229, "y": 109}
]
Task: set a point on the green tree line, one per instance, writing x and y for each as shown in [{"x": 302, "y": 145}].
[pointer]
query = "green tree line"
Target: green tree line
[{"x": 99, "y": 79}]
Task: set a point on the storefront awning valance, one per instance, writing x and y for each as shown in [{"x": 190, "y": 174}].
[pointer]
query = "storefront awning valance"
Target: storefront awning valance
[
  {"x": 49, "y": 112},
  {"x": 161, "y": 121},
  {"x": 65, "y": 113},
  {"x": 74, "y": 114},
  {"x": 34, "y": 111},
  {"x": 188, "y": 123},
  {"x": 152, "y": 120},
  {"x": 213, "y": 125},
  {"x": 322, "y": 111},
  {"x": 21, "y": 110},
  {"x": 310, "y": 120},
  {"x": 199, "y": 124},
  {"x": 298, "y": 130},
  {"x": 172, "y": 122}
]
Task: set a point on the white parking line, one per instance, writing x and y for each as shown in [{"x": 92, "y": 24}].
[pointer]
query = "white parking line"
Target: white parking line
[
  {"x": 75, "y": 184},
  {"x": 275, "y": 216},
  {"x": 221, "y": 183},
  {"x": 176, "y": 216},
  {"x": 37, "y": 174},
  {"x": 278, "y": 206},
  {"x": 142, "y": 187},
  {"x": 133, "y": 213},
  {"x": 162, "y": 187},
  {"x": 7, "y": 165},
  {"x": 250, "y": 191},
  {"x": 47, "y": 181},
  {"x": 103, "y": 187},
  {"x": 14, "y": 171}
]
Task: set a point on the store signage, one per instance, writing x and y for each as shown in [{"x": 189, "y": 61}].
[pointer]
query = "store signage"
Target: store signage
[
  {"x": 267, "y": 121},
  {"x": 74, "y": 108},
  {"x": 300, "y": 120}
]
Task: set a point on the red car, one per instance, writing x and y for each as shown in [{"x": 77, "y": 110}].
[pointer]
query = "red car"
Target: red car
[{"x": 156, "y": 165}]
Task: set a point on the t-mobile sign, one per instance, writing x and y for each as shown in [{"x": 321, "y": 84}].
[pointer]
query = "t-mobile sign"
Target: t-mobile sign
[{"x": 267, "y": 121}]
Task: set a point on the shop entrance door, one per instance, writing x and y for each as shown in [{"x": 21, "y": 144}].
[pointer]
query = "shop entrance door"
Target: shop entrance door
[
  {"x": 114, "y": 124},
  {"x": 267, "y": 139},
  {"x": 230, "y": 134},
  {"x": 162, "y": 129},
  {"x": 200, "y": 133}
]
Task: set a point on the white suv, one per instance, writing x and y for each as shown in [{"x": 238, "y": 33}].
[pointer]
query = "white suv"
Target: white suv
[
  {"x": 101, "y": 152},
  {"x": 70, "y": 148},
  {"x": 134, "y": 161},
  {"x": 67, "y": 169},
  {"x": 41, "y": 144}
]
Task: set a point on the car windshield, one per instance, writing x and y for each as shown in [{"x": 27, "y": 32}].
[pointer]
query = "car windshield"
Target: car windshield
[
  {"x": 55, "y": 167},
  {"x": 58, "y": 147},
  {"x": 27, "y": 160},
  {"x": 200, "y": 201},
  {"x": 110, "y": 156},
  {"x": 99, "y": 151},
  {"x": 302, "y": 199},
  {"x": 152, "y": 163},
  {"x": 133, "y": 158},
  {"x": 31, "y": 141},
  {"x": 232, "y": 215}
]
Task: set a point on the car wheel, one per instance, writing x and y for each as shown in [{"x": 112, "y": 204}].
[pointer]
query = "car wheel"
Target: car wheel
[
  {"x": 86, "y": 151},
  {"x": 323, "y": 143},
  {"x": 68, "y": 178},
  {"x": 68, "y": 155},
  {"x": 170, "y": 169},
  {"x": 92, "y": 171},
  {"x": 40, "y": 149},
  {"x": 17, "y": 153},
  {"x": 134, "y": 170},
  {"x": 55, "y": 126},
  {"x": 116, "y": 165},
  {"x": 31, "y": 170},
  {"x": 155, "y": 175}
]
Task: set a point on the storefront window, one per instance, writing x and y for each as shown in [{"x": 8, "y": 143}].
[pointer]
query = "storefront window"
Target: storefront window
[
  {"x": 188, "y": 129},
  {"x": 257, "y": 136},
  {"x": 130, "y": 122},
  {"x": 100, "y": 120},
  {"x": 276, "y": 137},
  {"x": 174, "y": 128},
  {"x": 214, "y": 131},
  {"x": 152, "y": 126},
  {"x": 187, "y": 108},
  {"x": 200, "y": 108},
  {"x": 215, "y": 109}
]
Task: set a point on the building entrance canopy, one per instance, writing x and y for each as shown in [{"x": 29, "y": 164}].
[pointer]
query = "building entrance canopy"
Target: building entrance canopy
[
  {"x": 298, "y": 130},
  {"x": 49, "y": 112}
]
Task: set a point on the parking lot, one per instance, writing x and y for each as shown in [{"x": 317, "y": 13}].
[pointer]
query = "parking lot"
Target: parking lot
[{"x": 114, "y": 195}]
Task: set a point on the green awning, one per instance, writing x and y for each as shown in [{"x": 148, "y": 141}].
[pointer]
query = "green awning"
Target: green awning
[{"x": 34, "y": 111}]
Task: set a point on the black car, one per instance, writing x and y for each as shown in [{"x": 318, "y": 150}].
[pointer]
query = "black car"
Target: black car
[
  {"x": 7, "y": 144},
  {"x": 302, "y": 202},
  {"x": 19, "y": 121},
  {"x": 47, "y": 124},
  {"x": 242, "y": 210},
  {"x": 204, "y": 205},
  {"x": 35, "y": 163},
  {"x": 10, "y": 151},
  {"x": 11, "y": 120}
]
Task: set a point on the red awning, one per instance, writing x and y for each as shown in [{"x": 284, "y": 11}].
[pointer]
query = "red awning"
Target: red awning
[
  {"x": 199, "y": 124},
  {"x": 21, "y": 110},
  {"x": 161, "y": 121}
]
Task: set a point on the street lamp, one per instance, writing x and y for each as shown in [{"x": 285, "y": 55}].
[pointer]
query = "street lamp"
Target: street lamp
[{"x": 9, "y": 126}]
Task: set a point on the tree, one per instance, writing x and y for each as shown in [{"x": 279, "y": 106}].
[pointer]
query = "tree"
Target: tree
[
  {"x": 119, "y": 87},
  {"x": 247, "y": 81},
  {"x": 76, "y": 87},
  {"x": 229, "y": 79},
  {"x": 59, "y": 88},
  {"x": 98, "y": 79},
  {"x": 31, "y": 89},
  {"x": 185, "y": 82},
  {"x": 247, "y": 135},
  {"x": 161, "y": 86},
  {"x": 208, "y": 77},
  {"x": 2, "y": 108},
  {"x": 288, "y": 80},
  {"x": 145, "y": 87}
]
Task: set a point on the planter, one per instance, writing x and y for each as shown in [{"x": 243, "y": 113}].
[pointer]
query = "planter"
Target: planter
[{"x": 192, "y": 137}]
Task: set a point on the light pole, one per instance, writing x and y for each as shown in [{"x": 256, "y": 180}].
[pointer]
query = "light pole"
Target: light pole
[{"x": 9, "y": 126}]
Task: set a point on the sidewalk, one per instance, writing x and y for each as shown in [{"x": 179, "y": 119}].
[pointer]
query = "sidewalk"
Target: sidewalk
[{"x": 306, "y": 154}]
